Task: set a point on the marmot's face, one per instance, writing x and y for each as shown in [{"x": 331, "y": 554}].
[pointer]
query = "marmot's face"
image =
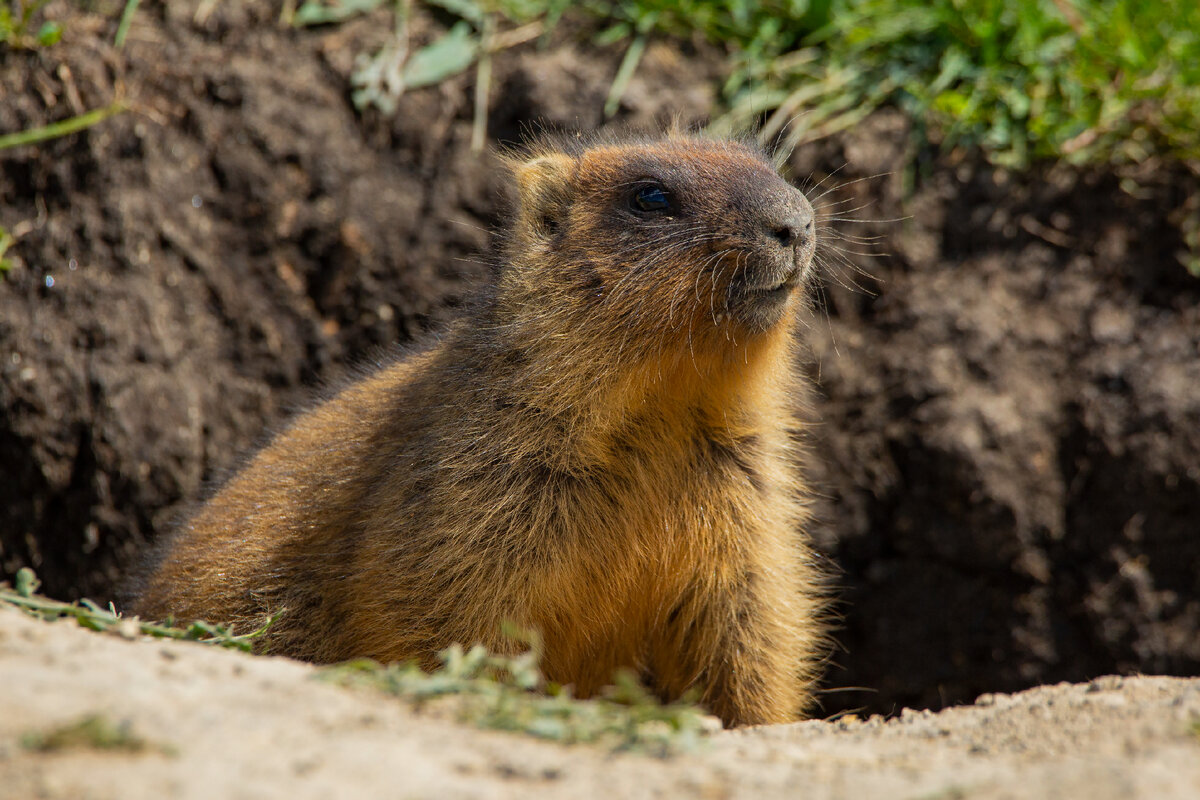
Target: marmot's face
[{"x": 681, "y": 235}]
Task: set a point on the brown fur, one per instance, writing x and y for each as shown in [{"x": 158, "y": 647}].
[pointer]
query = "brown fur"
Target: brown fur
[{"x": 603, "y": 450}]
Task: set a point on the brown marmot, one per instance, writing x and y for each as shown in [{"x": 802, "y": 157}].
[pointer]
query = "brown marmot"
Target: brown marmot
[{"x": 604, "y": 450}]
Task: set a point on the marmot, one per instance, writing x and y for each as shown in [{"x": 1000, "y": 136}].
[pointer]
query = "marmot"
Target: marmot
[{"x": 604, "y": 449}]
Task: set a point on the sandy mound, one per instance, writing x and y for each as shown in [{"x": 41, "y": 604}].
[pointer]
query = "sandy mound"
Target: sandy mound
[{"x": 215, "y": 723}]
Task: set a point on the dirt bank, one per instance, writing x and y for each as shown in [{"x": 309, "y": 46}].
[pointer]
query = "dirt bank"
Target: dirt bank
[{"x": 222, "y": 724}]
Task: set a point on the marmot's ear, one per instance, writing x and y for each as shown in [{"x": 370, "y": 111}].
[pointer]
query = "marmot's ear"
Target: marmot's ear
[{"x": 544, "y": 192}]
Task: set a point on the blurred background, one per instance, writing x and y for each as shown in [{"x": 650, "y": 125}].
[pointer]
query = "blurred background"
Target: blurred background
[{"x": 208, "y": 209}]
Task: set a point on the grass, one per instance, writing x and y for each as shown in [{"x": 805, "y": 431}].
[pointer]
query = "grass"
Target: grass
[
  {"x": 62, "y": 128},
  {"x": 17, "y": 20},
  {"x": 6, "y": 241},
  {"x": 489, "y": 691},
  {"x": 90, "y": 732},
  {"x": 23, "y": 595},
  {"x": 16, "y": 31},
  {"x": 126, "y": 20},
  {"x": 508, "y": 693},
  {"x": 1081, "y": 81}
]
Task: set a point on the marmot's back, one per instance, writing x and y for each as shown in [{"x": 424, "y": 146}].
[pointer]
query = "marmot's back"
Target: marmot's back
[{"x": 603, "y": 449}]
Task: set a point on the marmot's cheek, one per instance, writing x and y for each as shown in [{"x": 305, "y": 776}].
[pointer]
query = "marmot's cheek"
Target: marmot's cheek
[{"x": 807, "y": 261}]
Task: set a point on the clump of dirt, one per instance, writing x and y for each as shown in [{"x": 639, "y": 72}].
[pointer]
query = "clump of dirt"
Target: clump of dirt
[{"x": 1010, "y": 410}]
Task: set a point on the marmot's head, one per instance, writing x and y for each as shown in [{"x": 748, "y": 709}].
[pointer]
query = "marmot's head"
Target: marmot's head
[{"x": 679, "y": 240}]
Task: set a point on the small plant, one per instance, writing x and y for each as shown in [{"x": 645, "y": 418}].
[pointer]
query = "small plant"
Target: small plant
[
  {"x": 1082, "y": 81},
  {"x": 89, "y": 615},
  {"x": 16, "y": 25},
  {"x": 508, "y": 693},
  {"x": 126, "y": 21},
  {"x": 67, "y": 126},
  {"x": 381, "y": 78},
  {"x": 6, "y": 241},
  {"x": 94, "y": 732},
  {"x": 491, "y": 691},
  {"x": 1188, "y": 220},
  {"x": 1088, "y": 81}
]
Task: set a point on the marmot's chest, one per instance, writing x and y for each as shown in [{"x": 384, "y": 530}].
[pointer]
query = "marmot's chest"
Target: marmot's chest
[{"x": 673, "y": 506}]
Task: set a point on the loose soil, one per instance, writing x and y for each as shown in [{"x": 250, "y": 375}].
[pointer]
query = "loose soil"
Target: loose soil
[
  {"x": 1009, "y": 379},
  {"x": 215, "y": 723}
]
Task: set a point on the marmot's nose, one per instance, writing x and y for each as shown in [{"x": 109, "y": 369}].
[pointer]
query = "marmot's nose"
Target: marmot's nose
[{"x": 792, "y": 229}]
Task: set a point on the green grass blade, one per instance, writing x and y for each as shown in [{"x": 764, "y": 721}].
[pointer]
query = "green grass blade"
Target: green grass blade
[
  {"x": 126, "y": 20},
  {"x": 63, "y": 128},
  {"x": 624, "y": 74}
]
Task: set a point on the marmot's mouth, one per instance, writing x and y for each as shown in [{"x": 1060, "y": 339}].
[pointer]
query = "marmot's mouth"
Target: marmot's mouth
[
  {"x": 760, "y": 305},
  {"x": 782, "y": 287}
]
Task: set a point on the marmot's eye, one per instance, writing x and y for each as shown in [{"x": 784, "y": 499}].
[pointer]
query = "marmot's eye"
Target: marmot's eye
[{"x": 651, "y": 197}]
